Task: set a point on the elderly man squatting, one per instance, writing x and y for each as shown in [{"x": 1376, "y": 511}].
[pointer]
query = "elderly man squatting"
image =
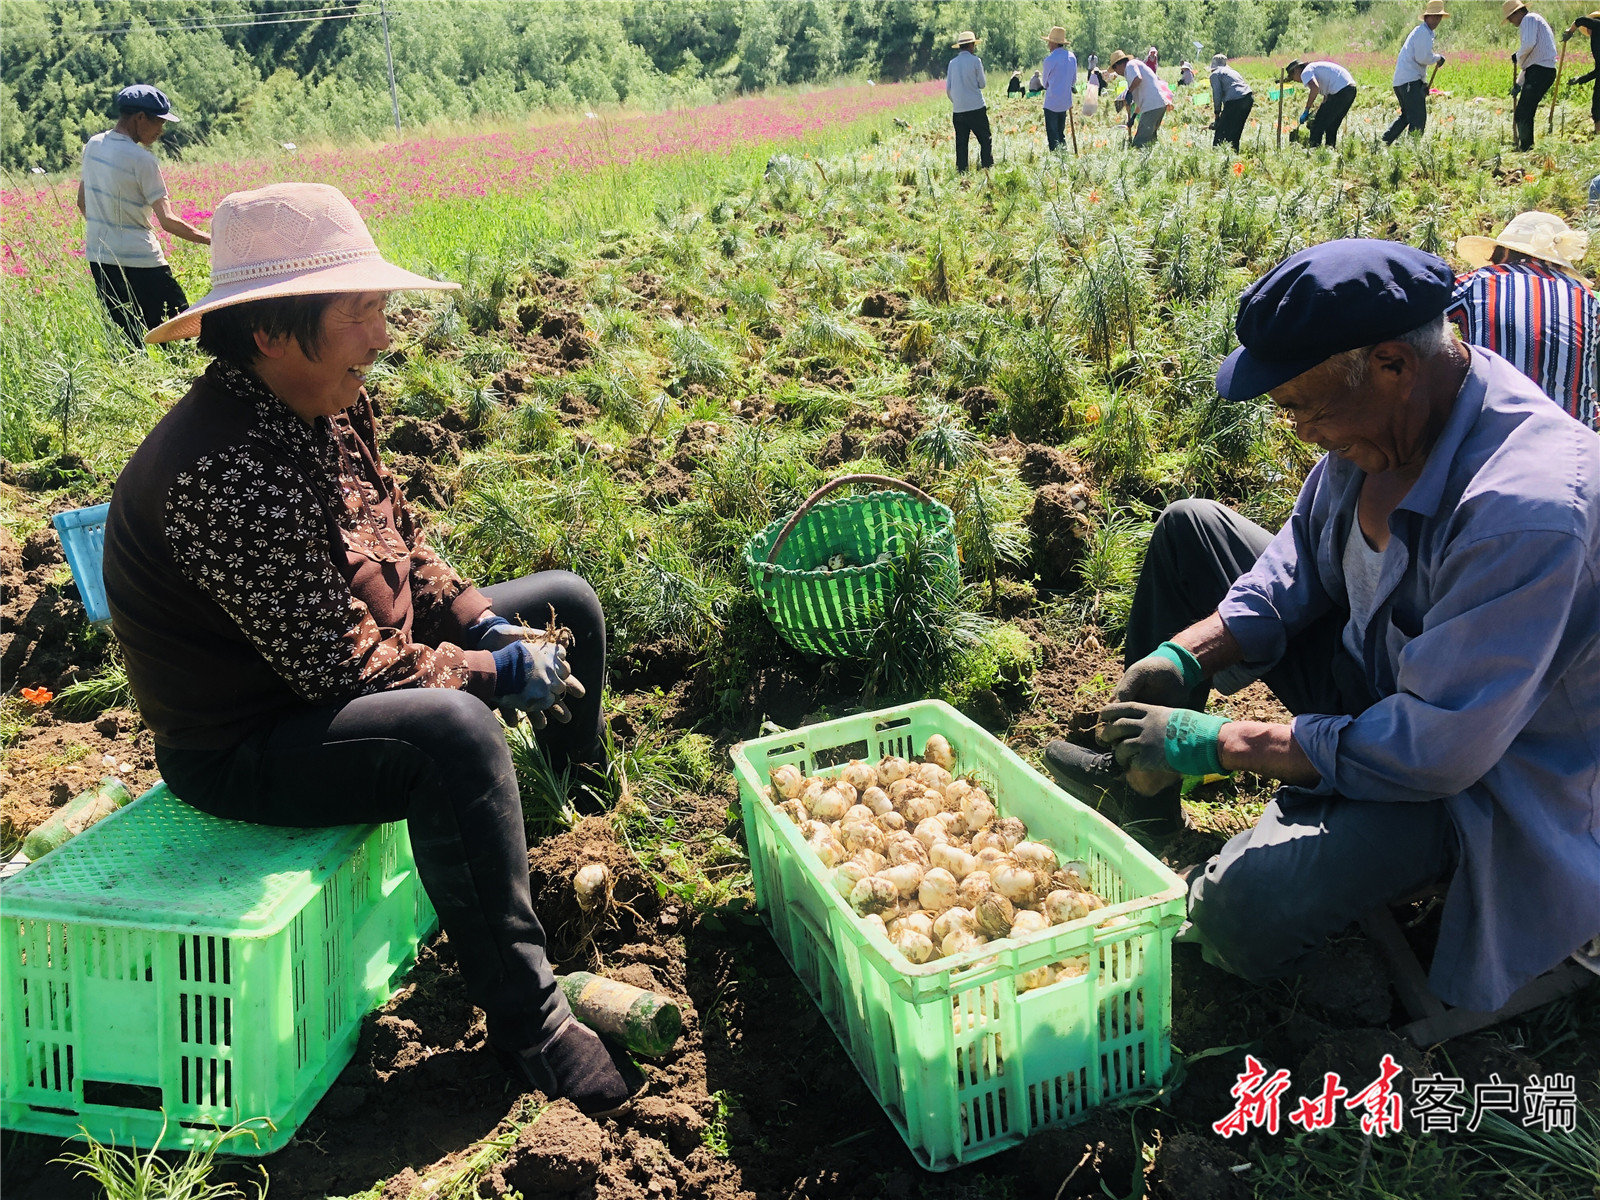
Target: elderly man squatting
[{"x": 1430, "y": 614}]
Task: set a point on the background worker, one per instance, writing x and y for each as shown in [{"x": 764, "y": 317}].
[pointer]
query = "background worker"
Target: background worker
[
  {"x": 1060, "y": 72},
  {"x": 1527, "y": 303},
  {"x": 1185, "y": 74},
  {"x": 1231, "y": 102},
  {"x": 1015, "y": 88},
  {"x": 1428, "y": 613},
  {"x": 119, "y": 188},
  {"x": 1590, "y": 25},
  {"x": 1411, "y": 71},
  {"x": 964, "y": 82},
  {"x": 1536, "y": 67},
  {"x": 301, "y": 655},
  {"x": 1152, "y": 58},
  {"x": 1035, "y": 84},
  {"x": 1338, "y": 89},
  {"x": 1143, "y": 96}
]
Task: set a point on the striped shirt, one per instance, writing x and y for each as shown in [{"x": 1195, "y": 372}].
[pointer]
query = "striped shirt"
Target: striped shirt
[
  {"x": 1545, "y": 323},
  {"x": 121, "y": 180}
]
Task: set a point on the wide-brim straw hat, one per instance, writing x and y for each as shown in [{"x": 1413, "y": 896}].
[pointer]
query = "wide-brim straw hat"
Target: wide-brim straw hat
[
  {"x": 290, "y": 239},
  {"x": 1057, "y": 36},
  {"x": 1117, "y": 59},
  {"x": 1218, "y": 60},
  {"x": 1540, "y": 235},
  {"x": 1511, "y": 8},
  {"x": 965, "y": 38},
  {"x": 1435, "y": 8}
]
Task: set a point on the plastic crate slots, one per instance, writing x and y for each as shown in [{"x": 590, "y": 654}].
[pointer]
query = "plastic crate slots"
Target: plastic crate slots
[
  {"x": 963, "y": 1064},
  {"x": 217, "y": 969}
]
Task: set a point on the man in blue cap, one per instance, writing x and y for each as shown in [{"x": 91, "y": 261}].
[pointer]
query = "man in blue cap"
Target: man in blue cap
[
  {"x": 120, "y": 187},
  {"x": 1430, "y": 614}
]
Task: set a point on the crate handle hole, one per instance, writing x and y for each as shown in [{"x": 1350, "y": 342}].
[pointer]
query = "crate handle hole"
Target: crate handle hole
[{"x": 122, "y": 1095}]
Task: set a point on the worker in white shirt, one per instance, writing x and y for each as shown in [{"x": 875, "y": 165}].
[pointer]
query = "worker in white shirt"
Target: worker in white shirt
[
  {"x": 1338, "y": 89},
  {"x": 1536, "y": 66},
  {"x": 1143, "y": 94},
  {"x": 964, "y": 82},
  {"x": 1411, "y": 72}
]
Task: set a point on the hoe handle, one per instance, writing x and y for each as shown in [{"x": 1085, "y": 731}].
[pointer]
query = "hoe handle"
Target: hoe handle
[{"x": 834, "y": 484}]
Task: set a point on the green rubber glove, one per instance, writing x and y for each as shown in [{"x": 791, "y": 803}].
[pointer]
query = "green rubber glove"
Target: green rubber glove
[{"x": 1152, "y": 737}]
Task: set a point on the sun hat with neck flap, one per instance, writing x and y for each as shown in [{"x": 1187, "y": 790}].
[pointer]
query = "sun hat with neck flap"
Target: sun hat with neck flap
[
  {"x": 290, "y": 239},
  {"x": 1540, "y": 235}
]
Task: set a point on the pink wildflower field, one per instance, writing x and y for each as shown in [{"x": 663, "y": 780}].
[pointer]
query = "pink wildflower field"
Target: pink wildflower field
[{"x": 41, "y": 233}]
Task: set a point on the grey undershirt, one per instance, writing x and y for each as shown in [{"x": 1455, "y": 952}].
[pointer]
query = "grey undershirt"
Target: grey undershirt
[{"x": 1362, "y": 566}]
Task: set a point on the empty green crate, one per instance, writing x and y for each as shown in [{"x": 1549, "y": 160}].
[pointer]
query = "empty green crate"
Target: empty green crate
[
  {"x": 964, "y": 1065},
  {"x": 218, "y": 970}
]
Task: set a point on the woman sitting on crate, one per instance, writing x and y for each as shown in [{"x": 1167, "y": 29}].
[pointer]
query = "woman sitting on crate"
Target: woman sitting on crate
[{"x": 300, "y": 655}]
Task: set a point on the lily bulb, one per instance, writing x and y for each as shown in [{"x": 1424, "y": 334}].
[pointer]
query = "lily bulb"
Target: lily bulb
[
  {"x": 914, "y": 944},
  {"x": 906, "y": 877},
  {"x": 859, "y": 775},
  {"x": 877, "y": 800},
  {"x": 1062, "y": 906},
  {"x": 873, "y": 894},
  {"x": 788, "y": 780},
  {"x": 931, "y": 833},
  {"x": 938, "y": 751},
  {"x": 846, "y": 875},
  {"x": 938, "y": 890},
  {"x": 1028, "y": 921},
  {"x": 893, "y": 769}
]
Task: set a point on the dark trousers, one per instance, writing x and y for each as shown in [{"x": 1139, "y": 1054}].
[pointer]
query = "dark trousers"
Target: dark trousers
[
  {"x": 1413, "y": 99},
  {"x": 1536, "y": 83},
  {"x": 1230, "y": 121},
  {"x": 436, "y": 758},
  {"x": 138, "y": 298},
  {"x": 1311, "y": 864},
  {"x": 1330, "y": 115},
  {"x": 1055, "y": 128},
  {"x": 974, "y": 122}
]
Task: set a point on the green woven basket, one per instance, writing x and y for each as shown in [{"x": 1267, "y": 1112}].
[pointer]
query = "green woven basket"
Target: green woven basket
[{"x": 831, "y": 612}]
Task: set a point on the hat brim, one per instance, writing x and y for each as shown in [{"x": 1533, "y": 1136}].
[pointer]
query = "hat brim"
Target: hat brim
[
  {"x": 1243, "y": 376},
  {"x": 1478, "y": 251},
  {"x": 365, "y": 276}
]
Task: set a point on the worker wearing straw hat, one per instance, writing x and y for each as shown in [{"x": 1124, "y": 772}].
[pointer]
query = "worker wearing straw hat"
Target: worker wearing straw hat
[
  {"x": 1060, "y": 74},
  {"x": 1526, "y": 301},
  {"x": 303, "y": 658},
  {"x": 1590, "y": 25},
  {"x": 964, "y": 82},
  {"x": 1144, "y": 96},
  {"x": 1535, "y": 57},
  {"x": 1231, "y": 102},
  {"x": 1428, "y": 613},
  {"x": 1411, "y": 72}
]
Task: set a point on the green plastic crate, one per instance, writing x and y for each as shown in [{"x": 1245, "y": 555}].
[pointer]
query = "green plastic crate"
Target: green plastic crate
[
  {"x": 962, "y": 1064},
  {"x": 219, "y": 970}
]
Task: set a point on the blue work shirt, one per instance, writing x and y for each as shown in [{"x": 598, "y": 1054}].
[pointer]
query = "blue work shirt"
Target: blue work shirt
[
  {"x": 1484, "y": 648},
  {"x": 964, "y": 82},
  {"x": 1060, "y": 73}
]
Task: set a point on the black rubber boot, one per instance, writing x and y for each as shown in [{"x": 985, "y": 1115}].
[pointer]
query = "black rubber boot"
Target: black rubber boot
[
  {"x": 1095, "y": 777},
  {"x": 579, "y": 1065}
]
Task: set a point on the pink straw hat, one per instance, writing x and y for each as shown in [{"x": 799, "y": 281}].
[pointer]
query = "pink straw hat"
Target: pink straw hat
[{"x": 290, "y": 239}]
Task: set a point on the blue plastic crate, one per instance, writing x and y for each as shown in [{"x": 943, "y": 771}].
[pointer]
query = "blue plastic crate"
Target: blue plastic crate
[{"x": 83, "y": 537}]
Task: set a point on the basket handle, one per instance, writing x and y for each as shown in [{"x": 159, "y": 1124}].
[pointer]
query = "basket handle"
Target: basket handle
[{"x": 844, "y": 481}]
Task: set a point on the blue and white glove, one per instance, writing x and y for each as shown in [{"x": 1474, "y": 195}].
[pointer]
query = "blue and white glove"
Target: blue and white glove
[
  {"x": 534, "y": 678},
  {"x": 494, "y": 632}
]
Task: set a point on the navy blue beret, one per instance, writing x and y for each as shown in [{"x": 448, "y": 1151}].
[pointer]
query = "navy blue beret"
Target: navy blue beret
[
  {"x": 141, "y": 97},
  {"x": 1325, "y": 300}
]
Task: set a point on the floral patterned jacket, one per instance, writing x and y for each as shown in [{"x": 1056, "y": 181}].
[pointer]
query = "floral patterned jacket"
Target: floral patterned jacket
[{"x": 255, "y": 563}]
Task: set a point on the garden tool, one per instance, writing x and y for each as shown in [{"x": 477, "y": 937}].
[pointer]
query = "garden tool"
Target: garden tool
[
  {"x": 1431, "y": 75},
  {"x": 1072, "y": 126},
  {"x": 1555, "y": 90},
  {"x": 645, "y": 1022},
  {"x": 1283, "y": 81}
]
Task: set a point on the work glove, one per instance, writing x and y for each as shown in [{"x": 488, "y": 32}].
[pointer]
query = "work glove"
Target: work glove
[
  {"x": 1164, "y": 676},
  {"x": 534, "y": 678},
  {"x": 1438, "y": 60},
  {"x": 494, "y": 632},
  {"x": 1152, "y": 737},
  {"x": 1305, "y": 116}
]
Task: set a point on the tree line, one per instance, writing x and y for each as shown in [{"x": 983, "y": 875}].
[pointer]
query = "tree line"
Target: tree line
[{"x": 253, "y": 72}]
